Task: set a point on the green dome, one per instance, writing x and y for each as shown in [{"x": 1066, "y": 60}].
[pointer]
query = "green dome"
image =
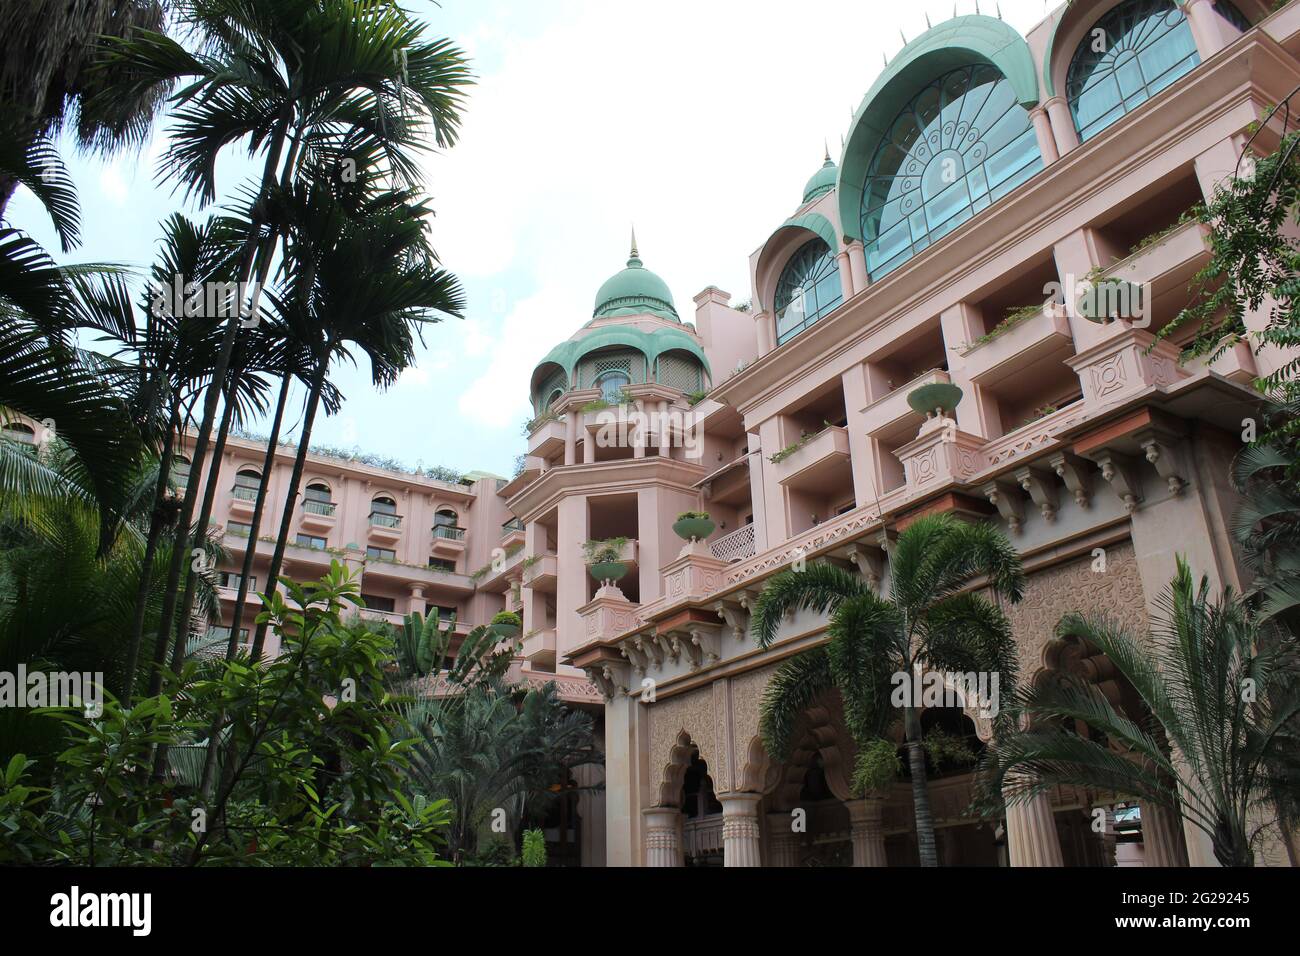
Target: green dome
[
  {"x": 635, "y": 291},
  {"x": 822, "y": 182}
]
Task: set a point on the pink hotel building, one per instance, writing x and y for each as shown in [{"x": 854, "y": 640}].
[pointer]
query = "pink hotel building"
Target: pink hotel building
[{"x": 983, "y": 173}]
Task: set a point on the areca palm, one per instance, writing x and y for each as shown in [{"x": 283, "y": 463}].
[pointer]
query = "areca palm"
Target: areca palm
[
  {"x": 361, "y": 273},
  {"x": 929, "y": 621},
  {"x": 1267, "y": 526},
  {"x": 484, "y": 749},
  {"x": 1221, "y": 733},
  {"x": 296, "y": 81}
]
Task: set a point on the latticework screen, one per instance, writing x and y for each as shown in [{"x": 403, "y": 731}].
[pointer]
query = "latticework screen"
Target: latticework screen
[
  {"x": 594, "y": 366},
  {"x": 681, "y": 372}
]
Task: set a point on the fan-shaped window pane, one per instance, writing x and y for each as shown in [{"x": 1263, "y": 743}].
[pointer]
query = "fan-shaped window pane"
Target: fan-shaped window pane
[
  {"x": 1129, "y": 55},
  {"x": 961, "y": 144},
  {"x": 809, "y": 289}
]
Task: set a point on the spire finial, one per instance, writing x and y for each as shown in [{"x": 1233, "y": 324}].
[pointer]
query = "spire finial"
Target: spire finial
[
  {"x": 635, "y": 256},
  {"x": 927, "y": 20},
  {"x": 827, "y": 146}
]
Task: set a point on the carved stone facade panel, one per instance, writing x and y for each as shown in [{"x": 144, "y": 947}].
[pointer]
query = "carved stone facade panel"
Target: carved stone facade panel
[
  {"x": 1115, "y": 592},
  {"x": 692, "y": 712}
]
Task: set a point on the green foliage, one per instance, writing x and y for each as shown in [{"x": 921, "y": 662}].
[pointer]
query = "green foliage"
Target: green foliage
[
  {"x": 790, "y": 449},
  {"x": 1012, "y": 318},
  {"x": 508, "y": 618},
  {"x": 1216, "y": 687},
  {"x": 928, "y": 622},
  {"x": 694, "y": 516},
  {"x": 946, "y": 750},
  {"x": 1266, "y": 525},
  {"x": 1252, "y": 268},
  {"x": 877, "y": 767},
  {"x": 1195, "y": 213},
  {"x": 425, "y": 650},
  {"x": 497, "y": 754},
  {"x": 534, "y": 854},
  {"x": 604, "y": 552}
]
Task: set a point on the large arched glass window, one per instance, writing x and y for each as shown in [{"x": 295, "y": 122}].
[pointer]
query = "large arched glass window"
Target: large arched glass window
[
  {"x": 809, "y": 289},
  {"x": 612, "y": 385},
  {"x": 1129, "y": 55},
  {"x": 962, "y": 143}
]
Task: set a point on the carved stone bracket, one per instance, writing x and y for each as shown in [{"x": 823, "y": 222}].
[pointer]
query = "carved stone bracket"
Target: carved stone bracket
[
  {"x": 1042, "y": 490},
  {"x": 700, "y": 645},
  {"x": 736, "y": 617},
  {"x": 1118, "y": 471},
  {"x": 1074, "y": 472},
  {"x": 1007, "y": 499},
  {"x": 870, "y": 563},
  {"x": 607, "y": 680},
  {"x": 1161, "y": 450}
]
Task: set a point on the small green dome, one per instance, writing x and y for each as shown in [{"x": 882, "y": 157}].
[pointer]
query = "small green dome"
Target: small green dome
[
  {"x": 635, "y": 291},
  {"x": 822, "y": 182}
]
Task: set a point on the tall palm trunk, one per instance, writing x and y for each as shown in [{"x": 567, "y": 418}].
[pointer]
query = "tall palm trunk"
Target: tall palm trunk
[
  {"x": 150, "y": 552},
  {"x": 248, "y": 256},
  {"x": 250, "y": 555},
  {"x": 259, "y": 508},
  {"x": 290, "y": 499},
  {"x": 920, "y": 788},
  {"x": 205, "y": 519}
]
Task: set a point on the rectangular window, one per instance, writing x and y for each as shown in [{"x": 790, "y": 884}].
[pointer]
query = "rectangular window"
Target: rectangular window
[
  {"x": 445, "y": 614},
  {"x": 383, "y": 554},
  {"x": 442, "y": 564},
  {"x": 229, "y": 579},
  {"x": 239, "y": 529},
  {"x": 376, "y": 603},
  {"x": 311, "y": 541},
  {"x": 222, "y": 633}
]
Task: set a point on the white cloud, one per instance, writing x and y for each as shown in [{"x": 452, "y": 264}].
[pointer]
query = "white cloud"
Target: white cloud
[{"x": 698, "y": 122}]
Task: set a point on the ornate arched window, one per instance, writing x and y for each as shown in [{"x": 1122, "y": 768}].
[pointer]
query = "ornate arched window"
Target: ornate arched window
[
  {"x": 809, "y": 289},
  {"x": 612, "y": 384},
  {"x": 1129, "y": 55},
  {"x": 962, "y": 143}
]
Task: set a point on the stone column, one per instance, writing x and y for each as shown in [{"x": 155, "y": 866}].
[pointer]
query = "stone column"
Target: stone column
[
  {"x": 665, "y": 431},
  {"x": 571, "y": 437},
  {"x": 1161, "y": 837},
  {"x": 1031, "y": 833},
  {"x": 663, "y": 836},
  {"x": 783, "y": 842},
  {"x": 588, "y": 445},
  {"x": 740, "y": 829},
  {"x": 1043, "y": 132},
  {"x": 867, "y": 831},
  {"x": 1210, "y": 31},
  {"x": 846, "y": 274},
  {"x": 858, "y": 267},
  {"x": 1062, "y": 120},
  {"x": 765, "y": 332}
]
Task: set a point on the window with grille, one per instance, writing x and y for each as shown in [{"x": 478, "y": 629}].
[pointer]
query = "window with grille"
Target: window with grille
[
  {"x": 681, "y": 372},
  {"x": 595, "y": 368},
  {"x": 550, "y": 390},
  {"x": 376, "y": 603}
]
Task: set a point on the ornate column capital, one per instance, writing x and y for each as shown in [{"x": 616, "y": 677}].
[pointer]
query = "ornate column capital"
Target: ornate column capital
[{"x": 741, "y": 833}]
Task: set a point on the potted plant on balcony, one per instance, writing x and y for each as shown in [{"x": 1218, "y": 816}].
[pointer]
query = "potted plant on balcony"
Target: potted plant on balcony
[
  {"x": 693, "y": 526},
  {"x": 936, "y": 399},
  {"x": 506, "y": 624},
  {"x": 603, "y": 559}
]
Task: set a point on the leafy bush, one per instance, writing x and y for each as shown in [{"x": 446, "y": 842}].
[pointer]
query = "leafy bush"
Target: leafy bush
[
  {"x": 877, "y": 767},
  {"x": 534, "y": 848}
]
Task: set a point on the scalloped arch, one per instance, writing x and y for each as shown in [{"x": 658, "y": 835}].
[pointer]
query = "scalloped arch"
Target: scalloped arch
[
  {"x": 955, "y": 43},
  {"x": 1050, "y": 54}
]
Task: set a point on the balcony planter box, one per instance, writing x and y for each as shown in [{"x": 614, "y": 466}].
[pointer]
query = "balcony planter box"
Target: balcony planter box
[
  {"x": 1044, "y": 336},
  {"x": 694, "y": 529}
]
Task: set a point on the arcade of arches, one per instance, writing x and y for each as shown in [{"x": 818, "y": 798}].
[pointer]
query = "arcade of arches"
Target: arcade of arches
[{"x": 720, "y": 800}]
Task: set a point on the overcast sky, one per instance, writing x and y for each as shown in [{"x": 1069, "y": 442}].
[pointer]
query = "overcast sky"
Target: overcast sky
[{"x": 698, "y": 121}]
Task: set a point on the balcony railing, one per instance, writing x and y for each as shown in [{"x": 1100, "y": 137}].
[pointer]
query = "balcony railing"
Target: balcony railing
[
  {"x": 449, "y": 532},
  {"x": 736, "y": 546},
  {"x": 243, "y": 493},
  {"x": 324, "y": 508},
  {"x": 514, "y": 524},
  {"x": 379, "y": 519}
]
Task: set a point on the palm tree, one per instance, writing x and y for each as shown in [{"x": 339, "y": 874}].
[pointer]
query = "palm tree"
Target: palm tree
[
  {"x": 300, "y": 81},
  {"x": 1267, "y": 526},
  {"x": 1223, "y": 696},
  {"x": 360, "y": 271},
  {"x": 931, "y": 621},
  {"x": 487, "y": 749},
  {"x": 49, "y": 52}
]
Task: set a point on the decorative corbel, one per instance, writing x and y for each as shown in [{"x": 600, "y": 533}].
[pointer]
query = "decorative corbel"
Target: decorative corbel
[
  {"x": 1074, "y": 472},
  {"x": 735, "y": 616},
  {"x": 869, "y": 563},
  {"x": 1007, "y": 500},
  {"x": 1118, "y": 472},
  {"x": 707, "y": 642},
  {"x": 633, "y": 653},
  {"x": 649, "y": 650},
  {"x": 603, "y": 678},
  {"x": 669, "y": 649},
  {"x": 1160, "y": 451},
  {"x": 1041, "y": 489}
]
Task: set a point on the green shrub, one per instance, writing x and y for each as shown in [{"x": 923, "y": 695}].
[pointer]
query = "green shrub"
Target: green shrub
[{"x": 534, "y": 848}]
